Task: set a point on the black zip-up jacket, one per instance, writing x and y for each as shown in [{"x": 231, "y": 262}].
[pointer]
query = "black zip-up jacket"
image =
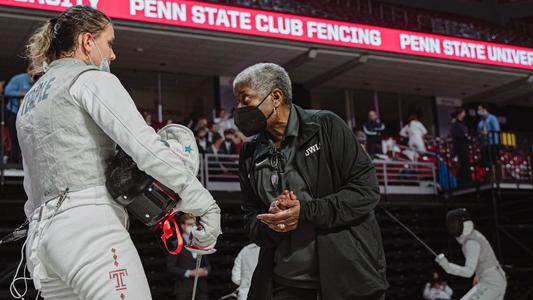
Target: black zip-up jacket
[{"x": 345, "y": 191}]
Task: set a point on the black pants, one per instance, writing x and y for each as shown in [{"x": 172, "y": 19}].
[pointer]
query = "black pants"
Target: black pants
[
  {"x": 290, "y": 293},
  {"x": 11, "y": 123},
  {"x": 188, "y": 296},
  {"x": 465, "y": 176},
  {"x": 489, "y": 154},
  {"x": 282, "y": 292},
  {"x": 373, "y": 147}
]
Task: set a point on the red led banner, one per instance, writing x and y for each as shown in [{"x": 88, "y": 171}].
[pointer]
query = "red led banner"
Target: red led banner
[{"x": 298, "y": 28}]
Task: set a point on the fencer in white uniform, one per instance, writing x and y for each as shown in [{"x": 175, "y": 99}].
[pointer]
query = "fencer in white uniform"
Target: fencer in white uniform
[
  {"x": 78, "y": 246},
  {"x": 244, "y": 268},
  {"x": 480, "y": 259},
  {"x": 415, "y": 131}
]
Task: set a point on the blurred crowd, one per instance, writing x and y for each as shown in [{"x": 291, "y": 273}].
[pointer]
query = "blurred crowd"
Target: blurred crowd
[
  {"x": 216, "y": 136},
  {"x": 413, "y": 143}
]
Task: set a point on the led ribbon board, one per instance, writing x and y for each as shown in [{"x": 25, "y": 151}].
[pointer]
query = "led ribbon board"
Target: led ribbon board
[{"x": 298, "y": 28}]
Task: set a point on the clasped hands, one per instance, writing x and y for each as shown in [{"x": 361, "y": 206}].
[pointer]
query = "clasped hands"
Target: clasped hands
[{"x": 283, "y": 214}]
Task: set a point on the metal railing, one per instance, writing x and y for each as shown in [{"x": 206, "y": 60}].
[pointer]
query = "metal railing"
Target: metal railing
[
  {"x": 405, "y": 177},
  {"x": 502, "y": 159},
  {"x": 220, "y": 173}
]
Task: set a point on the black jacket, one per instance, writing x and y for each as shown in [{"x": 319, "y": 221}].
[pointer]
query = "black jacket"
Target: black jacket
[
  {"x": 373, "y": 131},
  {"x": 459, "y": 132},
  {"x": 345, "y": 191},
  {"x": 231, "y": 150},
  {"x": 177, "y": 265}
]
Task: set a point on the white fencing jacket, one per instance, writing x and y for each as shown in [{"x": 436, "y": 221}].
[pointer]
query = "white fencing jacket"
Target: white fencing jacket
[
  {"x": 243, "y": 269},
  {"x": 68, "y": 126}
]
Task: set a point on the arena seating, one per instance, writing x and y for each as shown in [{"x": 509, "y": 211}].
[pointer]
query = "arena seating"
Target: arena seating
[
  {"x": 514, "y": 165},
  {"x": 378, "y": 13}
]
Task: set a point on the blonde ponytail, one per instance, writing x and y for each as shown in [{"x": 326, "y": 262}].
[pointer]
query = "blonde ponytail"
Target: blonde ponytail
[
  {"x": 39, "y": 48},
  {"x": 58, "y": 37}
]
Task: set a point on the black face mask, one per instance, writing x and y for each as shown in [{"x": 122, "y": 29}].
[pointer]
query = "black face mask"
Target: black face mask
[
  {"x": 455, "y": 220},
  {"x": 250, "y": 120}
]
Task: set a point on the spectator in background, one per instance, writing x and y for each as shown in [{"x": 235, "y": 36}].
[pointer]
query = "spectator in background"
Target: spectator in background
[
  {"x": 215, "y": 144},
  {"x": 147, "y": 118},
  {"x": 437, "y": 289},
  {"x": 459, "y": 133},
  {"x": 224, "y": 122},
  {"x": 15, "y": 91},
  {"x": 373, "y": 129},
  {"x": 415, "y": 131},
  {"x": 212, "y": 128},
  {"x": 239, "y": 139},
  {"x": 221, "y": 116},
  {"x": 201, "y": 123},
  {"x": 183, "y": 266},
  {"x": 229, "y": 147},
  {"x": 488, "y": 129},
  {"x": 243, "y": 269},
  {"x": 201, "y": 139},
  {"x": 219, "y": 165}
]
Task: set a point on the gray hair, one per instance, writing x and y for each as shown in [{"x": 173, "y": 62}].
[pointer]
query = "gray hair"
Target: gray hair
[{"x": 264, "y": 77}]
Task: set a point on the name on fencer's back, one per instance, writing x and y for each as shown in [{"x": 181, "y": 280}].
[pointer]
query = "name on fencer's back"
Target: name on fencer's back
[
  {"x": 37, "y": 94},
  {"x": 312, "y": 149}
]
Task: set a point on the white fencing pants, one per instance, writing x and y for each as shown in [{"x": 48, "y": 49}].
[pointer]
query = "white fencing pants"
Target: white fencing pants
[
  {"x": 491, "y": 286},
  {"x": 84, "y": 251}
]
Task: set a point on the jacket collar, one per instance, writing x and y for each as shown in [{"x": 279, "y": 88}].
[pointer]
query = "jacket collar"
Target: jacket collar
[
  {"x": 67, "y": 61},
  {"x": 308, "y": 127}
]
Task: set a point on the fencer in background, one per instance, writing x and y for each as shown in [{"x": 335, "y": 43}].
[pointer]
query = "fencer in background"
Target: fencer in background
[
  {"x": 243, "y": 269},
  {"x": 480, "y": 258}
]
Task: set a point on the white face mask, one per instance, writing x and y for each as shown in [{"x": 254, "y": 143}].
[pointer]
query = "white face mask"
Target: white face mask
[
  {"x": 104, "y": 62},
  {"x": 187, "y": 233}
]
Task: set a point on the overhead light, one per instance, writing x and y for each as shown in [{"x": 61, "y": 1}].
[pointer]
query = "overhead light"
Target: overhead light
[{"x": 139, "y": 49}]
